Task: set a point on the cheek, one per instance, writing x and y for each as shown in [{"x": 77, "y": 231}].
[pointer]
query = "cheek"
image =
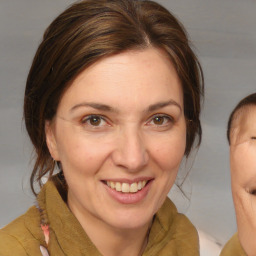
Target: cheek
[
  {"x": 243, "y": 163},
  {"x": 169, "y": 152},
  {"x": 79, "y": 155}
]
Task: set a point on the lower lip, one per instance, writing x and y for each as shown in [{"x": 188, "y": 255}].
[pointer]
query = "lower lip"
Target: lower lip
[{"x": 129, "y": 198}]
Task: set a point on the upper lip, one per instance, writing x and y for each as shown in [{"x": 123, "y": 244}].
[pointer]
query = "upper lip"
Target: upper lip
[{"x": 129, "y": 181}]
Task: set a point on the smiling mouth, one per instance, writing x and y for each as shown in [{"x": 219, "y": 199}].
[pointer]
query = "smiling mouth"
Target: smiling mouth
[{"x": 126, "y": 187}]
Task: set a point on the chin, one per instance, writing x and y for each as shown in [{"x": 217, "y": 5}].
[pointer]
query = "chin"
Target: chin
[{"x": 132, "y": 221}]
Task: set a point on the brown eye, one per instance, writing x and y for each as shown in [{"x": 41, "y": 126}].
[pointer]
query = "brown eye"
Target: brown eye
[
  {"x": 159, "y": 120},
  {"x": 253, "y": 138},
  {"x": 253, "y": 192},
  {"x": 94, "y": 120}
]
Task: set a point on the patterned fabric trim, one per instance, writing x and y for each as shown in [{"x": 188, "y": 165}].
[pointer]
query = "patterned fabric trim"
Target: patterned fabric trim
[{"x": 45, "y": 229}]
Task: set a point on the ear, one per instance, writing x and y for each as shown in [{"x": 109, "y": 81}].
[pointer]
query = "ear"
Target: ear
[{"x": 51, "y": 140}]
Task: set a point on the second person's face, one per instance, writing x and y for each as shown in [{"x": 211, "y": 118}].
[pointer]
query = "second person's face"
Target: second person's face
[
  {"x": 243, "y": 177},
  {"x": 120, "y": 135}
]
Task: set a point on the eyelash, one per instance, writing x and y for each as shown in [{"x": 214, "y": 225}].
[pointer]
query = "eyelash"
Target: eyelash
[
  {"x": 252, "y": 192},
  {"x": 167, "y": 120},
  {"x": 253, "y": 138},
  {"x": 86, "y": 119}
]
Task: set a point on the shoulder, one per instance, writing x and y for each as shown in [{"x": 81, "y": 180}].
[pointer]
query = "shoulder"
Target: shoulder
[
  {"x": 21, "y": 236},
  {"x": 186, "y": 235},
  {"x": 233, "y": 248},
  {"x": 178, "y": 222},
  {"x": 9, "y": 245},
  {"x": 173, "y": 232}
]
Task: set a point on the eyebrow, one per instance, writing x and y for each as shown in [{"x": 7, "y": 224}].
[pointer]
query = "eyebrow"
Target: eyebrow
[
  {"x": 159, "y": 105},
  {"x": 97, "y": 106},
  {"x": 108, "y": 108}
]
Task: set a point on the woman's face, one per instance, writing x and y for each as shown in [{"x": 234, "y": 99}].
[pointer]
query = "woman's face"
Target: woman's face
[
  {"x": 243, "y": 177},
  {"x": 120, "y": 135}
]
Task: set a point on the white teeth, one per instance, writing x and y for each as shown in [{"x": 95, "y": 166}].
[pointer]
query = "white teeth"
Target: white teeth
[
  {"x": 134, "y": 188},
  {"x": 139, "y": 185},
  {"x": 112, "y": 184},
  {"x": 126, "y": 187},
  {"x": 118, "y": 186}
]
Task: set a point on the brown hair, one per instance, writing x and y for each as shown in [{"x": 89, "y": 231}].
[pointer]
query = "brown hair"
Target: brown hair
[
  {"x": 249, "y": 100},
  {"x": 88, "y": 31}
]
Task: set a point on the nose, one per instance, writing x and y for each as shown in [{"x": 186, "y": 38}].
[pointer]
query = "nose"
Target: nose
[{"x": 130, "y": 151}]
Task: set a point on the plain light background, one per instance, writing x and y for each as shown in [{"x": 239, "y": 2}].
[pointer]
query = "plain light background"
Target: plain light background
[{"x": 224, "y": 36}]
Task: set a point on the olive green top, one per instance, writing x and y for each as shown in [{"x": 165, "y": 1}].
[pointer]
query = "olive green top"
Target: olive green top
[
  {"x": 171, "y": 233},
  {"x": 233, "y": 248}
]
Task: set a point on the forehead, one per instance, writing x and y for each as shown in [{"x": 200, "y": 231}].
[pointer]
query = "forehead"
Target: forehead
[
  {"x": 244, "y": 123},
  {"x": 129, "y": 80},
  {"x": 247, "y": 118}
]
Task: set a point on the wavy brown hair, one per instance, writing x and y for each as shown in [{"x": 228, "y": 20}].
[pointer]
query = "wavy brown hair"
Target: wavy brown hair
[{"x": 88, "y": 31}]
